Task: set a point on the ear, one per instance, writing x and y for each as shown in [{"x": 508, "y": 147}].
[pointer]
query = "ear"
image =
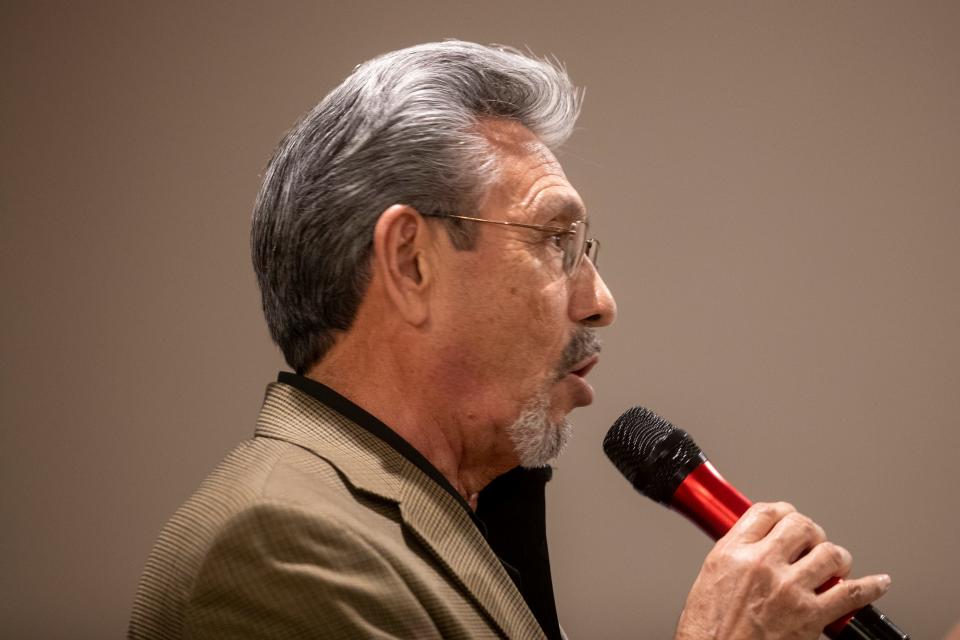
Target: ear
[{"x": 400, "y": 242}]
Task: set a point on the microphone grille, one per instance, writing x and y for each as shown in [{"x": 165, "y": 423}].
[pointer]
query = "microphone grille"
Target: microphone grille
[{"x": 654, "y": 455}]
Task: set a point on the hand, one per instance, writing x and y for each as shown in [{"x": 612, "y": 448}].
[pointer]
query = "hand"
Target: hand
[
  {"x": 760, "y": 580},
  {"x": 954, "y": 633}
]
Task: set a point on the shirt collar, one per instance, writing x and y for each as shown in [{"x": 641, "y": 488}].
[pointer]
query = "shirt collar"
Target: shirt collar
[{"x": 375, "y": 426}]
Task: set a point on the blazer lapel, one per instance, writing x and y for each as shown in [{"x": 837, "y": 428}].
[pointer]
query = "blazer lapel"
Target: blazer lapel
[
  {"x": 446, "y": 530},
  {"x": 434, "y": 516}
]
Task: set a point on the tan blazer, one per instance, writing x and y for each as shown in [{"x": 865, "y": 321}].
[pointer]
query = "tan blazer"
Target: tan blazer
[{"x": 315, "y": 528}]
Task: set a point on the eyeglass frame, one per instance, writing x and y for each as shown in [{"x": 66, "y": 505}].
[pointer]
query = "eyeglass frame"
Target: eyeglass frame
[{"x": 590, "y": 247}]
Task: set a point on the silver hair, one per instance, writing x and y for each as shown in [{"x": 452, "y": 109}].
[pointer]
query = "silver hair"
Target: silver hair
[{"x": 401, "y": 129}]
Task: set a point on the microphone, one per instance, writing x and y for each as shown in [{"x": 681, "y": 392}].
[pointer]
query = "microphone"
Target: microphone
[{"x": 663, "y": 462}]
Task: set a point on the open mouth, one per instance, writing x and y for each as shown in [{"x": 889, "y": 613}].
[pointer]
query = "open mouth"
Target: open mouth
[{"x": 584, "y": 366}]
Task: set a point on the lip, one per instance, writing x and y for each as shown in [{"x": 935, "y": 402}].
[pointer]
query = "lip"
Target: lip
[
  {"x": 582, "y": 391},
  {"x": 582, "y": 368}
]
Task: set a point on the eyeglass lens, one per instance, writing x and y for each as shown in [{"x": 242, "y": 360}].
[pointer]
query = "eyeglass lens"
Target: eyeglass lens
[{"x": 577, "y": 246}]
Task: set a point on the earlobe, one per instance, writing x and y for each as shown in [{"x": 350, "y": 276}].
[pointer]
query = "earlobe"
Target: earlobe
[{"x": 399, "y": 261}]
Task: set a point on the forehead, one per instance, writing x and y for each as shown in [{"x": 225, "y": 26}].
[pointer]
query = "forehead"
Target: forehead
[{"x": 530, "y": 183}]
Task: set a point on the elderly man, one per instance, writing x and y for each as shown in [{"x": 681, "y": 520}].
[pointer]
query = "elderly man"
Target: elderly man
[{"x": 427, "y": 271}]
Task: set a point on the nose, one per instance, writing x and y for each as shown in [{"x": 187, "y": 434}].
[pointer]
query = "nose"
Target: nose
[{"x": 591, "y": 302}]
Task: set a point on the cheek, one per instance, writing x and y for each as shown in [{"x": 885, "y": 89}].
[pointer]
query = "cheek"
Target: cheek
[
  {"x": 548, "y": 307},
  {"x": 539, "y": 321},
  {"x": 516, "y": 319}
]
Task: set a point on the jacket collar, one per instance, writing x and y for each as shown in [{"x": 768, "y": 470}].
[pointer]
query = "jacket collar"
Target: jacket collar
[{"x": 431, "y": 514}]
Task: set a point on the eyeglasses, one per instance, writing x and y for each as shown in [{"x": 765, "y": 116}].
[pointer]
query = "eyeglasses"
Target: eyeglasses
[{"x": 572, "y": 241}]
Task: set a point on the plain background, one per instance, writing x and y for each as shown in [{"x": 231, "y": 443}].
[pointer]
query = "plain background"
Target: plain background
[{"x": 775, "y": 184}]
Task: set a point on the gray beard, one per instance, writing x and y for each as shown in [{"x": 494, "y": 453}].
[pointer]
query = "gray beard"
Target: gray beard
[{"x": 535, "y": 439}]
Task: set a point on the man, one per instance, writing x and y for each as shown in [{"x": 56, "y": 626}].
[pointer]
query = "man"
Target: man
[{"x": 426, "y": 269}]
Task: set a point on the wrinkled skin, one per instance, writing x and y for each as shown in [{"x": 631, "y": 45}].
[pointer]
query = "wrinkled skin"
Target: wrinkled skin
[{"x": 760, "y": 580}]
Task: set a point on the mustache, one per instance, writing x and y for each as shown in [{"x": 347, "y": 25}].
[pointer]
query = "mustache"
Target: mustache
[{"x": 582, "y": 345}]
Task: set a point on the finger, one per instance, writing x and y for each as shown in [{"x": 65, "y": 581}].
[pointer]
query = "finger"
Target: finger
[
  {"x": 825, "y": 561},
  {"x": 793, "y": 535},
  {"x": 850, "y": 595},
  {"x": 758, "y": 520},
  {"x": 954, "y": 633}
]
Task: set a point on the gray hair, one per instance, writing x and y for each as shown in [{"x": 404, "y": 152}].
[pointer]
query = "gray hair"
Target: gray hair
[{"x": 401, "y": 129}]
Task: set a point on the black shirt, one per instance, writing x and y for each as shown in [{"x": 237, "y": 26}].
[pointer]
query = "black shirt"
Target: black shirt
[{"x": 511, "y": 510}]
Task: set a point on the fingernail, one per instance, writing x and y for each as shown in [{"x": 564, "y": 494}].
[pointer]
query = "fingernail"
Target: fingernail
[{"x": 885, "y": 581}]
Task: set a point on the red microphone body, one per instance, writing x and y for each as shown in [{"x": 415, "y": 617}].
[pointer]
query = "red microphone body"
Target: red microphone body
[
  {"x": 663, "y": 463},
  {"x": 712, "y": 503}
]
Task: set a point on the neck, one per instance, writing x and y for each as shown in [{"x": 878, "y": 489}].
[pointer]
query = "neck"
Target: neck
[{"x": 393, "y": 383}]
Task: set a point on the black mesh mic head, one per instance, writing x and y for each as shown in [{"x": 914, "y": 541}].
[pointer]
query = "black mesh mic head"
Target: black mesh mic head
[{"x": 654, "y": 455}]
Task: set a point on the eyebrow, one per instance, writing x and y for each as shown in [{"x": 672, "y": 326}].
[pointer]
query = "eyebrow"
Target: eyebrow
[{"x": 562, "y": 208}]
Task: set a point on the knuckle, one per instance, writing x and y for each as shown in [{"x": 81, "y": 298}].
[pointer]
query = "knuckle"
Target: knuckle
[
  {"x": 762, "y": 509},
  {"x": 748, "y": 561},
  {"x": 786, "y": 506},
  {"x": 837, "y": 557},
  {"x": 845, "y": 558},
  {"x": 738, "y": 556},
  {"x": 771, "y": 510},
  {"x": 820, "y": 533},
  {"x": 802, "y": 522},
  {"x": 835, "y": 553},
  {"x": 854, "y": 591},
  {"x": 799, "y": 519}
]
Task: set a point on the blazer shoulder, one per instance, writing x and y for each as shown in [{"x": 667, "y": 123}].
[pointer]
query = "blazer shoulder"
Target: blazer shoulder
[
  {"x": 285, "y": 570},
  {"x": 259, "y": 474}
]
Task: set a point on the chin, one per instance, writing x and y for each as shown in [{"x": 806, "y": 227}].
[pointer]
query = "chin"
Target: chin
[{"x": 537, "y": 437}]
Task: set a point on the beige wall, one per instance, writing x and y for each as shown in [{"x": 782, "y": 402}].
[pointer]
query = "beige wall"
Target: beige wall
[{"x": 776, "y": 186}]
